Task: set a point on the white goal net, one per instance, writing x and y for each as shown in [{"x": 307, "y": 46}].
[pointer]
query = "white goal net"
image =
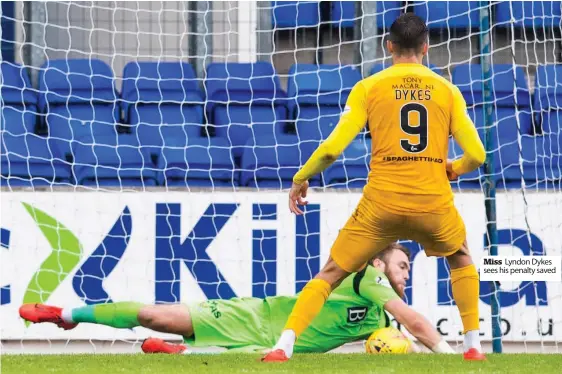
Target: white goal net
[{"x": 147, "y": 148}]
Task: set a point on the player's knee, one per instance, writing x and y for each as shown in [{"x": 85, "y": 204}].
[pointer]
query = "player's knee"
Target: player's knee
[
  {"x": 332, "y": 273},
  {"x": 460, "y": 258}
]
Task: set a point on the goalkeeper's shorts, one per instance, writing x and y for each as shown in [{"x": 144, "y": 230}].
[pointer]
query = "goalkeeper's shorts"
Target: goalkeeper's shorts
[
  {"x": 371, "y": 228},
  {"x": 239, "y": 323}
]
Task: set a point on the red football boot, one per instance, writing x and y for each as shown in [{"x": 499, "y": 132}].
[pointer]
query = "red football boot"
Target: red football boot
[
  {"x": 277, "y": 355},
  {"x": 155, "y": 345},
  {"x": 39, "y": 313},
  {"x": 474, "y": 355}
]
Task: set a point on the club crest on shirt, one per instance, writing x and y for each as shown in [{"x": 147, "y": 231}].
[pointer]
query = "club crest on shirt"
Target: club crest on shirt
[
  {"x": 356, "y": 314},
  {"x": 383, "y": 281}
]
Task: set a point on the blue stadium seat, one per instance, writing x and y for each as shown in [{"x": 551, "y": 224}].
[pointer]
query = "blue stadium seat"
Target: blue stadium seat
[
  {"x": 387, "y": 12},
  {"x": 320, "y": 84},
  {"x": 376, "y": 68},
  {"x": 197, "y": 163},
  {"x": 551, "y": 123},
  {"x": 539, "y": 14},
  {"x": 512, "y": 138},
  {"x": 506, "y": 130},
  {"x": 448, "y": 14},
  {"x": 351, "y": 170},
  {"x": 512, "y": 120},
  {"x": 162, "y": 101},
  {"x": 28, "y": 160},
  {"x": 547, "y": 100},
  {"x": 292, "y": 14},
  {"x": 75, "y": 94},
  {"x": 317, "y": 95},
  {"x": 343, "y": 13},
  {"x": 468, "y": 78},
  {"x": 244, "y": 101},
  {"x": 113, "y": 161},
  {"x": 548, "y": 106},
  {"x": 272, "y": 164},
  {"x": 503, "y": 118},
  {"x": 19, "y": 101},
  {"x": 540, "y": 158},
  {"x": 548, "y": 87},
  {"x": 508, "y": 125},
  {"x": 317, "y": 122}
]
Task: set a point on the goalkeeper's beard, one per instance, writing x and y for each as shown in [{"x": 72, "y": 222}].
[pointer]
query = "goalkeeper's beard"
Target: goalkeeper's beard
[{"x": 398, "y": 287}]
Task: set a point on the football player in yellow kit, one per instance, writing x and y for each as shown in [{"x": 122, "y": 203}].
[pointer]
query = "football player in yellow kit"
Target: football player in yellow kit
[{"x": 411, "y": 112}]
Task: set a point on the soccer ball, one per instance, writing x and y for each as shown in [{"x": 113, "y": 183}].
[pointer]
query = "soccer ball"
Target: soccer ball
[{"x": 387, "y": 340}]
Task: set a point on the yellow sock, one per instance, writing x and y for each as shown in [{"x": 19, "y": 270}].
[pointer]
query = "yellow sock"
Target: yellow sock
[
  {"x": 466, "y": 292},
  {"x": 308, "y": 305}
]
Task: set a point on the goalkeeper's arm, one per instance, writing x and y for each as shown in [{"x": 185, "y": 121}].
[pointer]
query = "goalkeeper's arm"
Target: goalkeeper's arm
[
  {"x": 417, "y": 325},
  {"x": 351, "y": 123}
]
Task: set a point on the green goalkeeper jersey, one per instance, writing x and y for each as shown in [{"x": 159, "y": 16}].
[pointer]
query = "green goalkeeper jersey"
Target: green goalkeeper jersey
[{"x": 352, "y": 312}]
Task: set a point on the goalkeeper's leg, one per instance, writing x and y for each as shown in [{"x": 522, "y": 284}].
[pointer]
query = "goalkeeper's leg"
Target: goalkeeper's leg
[
  {"x": 466, "y": 292},
  {"x": 173, "y": 319}
]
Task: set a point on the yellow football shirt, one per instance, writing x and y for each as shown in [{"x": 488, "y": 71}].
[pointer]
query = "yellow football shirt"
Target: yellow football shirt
[{"x": 411, "y": 112}]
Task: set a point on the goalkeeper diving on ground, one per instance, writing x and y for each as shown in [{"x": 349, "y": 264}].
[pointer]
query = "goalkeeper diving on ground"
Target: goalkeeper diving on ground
[
  {"x": 352, "y": 312},
  {"x": 411, "y": 112}
]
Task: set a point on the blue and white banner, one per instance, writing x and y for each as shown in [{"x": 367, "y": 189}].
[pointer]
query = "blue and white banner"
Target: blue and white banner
[{"x": 76, "y": 248}]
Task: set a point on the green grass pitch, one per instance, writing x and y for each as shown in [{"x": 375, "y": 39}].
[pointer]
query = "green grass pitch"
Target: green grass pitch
[{"x": 304, "y": 363}]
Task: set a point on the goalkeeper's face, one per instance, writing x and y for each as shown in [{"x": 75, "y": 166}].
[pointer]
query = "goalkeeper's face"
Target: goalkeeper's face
[{"x": 396, "y": 267}]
